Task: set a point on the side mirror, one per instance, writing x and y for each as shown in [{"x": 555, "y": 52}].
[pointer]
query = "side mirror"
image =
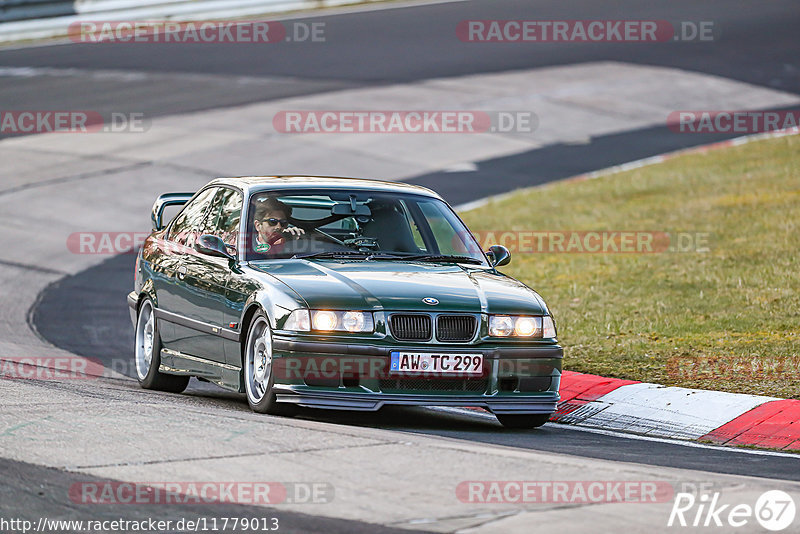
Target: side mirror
[
  {"x": 498, "y": 255},
  {"x": 212, "y": 245}
]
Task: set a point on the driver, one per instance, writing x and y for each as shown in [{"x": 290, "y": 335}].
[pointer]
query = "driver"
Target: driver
[{"x": 271, "y": 221}]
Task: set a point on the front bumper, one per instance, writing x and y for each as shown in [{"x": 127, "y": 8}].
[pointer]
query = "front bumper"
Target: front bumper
[
  {"x": 531, "y": 352},
  {"x": 517, "y": 379},
  {"x": 368, "y": 401}
]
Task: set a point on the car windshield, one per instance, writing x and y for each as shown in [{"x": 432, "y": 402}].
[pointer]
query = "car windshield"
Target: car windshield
[{"x": 357, "y": 224}]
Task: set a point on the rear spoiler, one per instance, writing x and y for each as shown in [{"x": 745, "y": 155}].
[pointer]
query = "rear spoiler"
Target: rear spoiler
[{"x": 167, "y": 199}]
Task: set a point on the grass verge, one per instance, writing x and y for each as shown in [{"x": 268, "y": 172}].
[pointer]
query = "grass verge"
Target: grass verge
[{"x": 723, "y": 315}]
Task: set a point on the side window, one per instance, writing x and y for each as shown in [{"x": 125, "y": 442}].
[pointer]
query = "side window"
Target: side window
[
  {"x": 190, "y": 218},
  {"x": 222, "y": 218},
  {"x": 227, "y": 224},
  {"x": 209, "y": 223}
]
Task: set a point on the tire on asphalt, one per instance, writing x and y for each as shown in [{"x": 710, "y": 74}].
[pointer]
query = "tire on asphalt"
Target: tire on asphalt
[
  {"x": 522, "y": 420},
  {"x": 257, "y": 369},
  {"x": 147, "y": 363}
]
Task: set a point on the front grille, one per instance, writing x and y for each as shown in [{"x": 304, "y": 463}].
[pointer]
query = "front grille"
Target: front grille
[
  {"x": 411, "y": 327},
  {"x": 455, "y": 327},
  {"x": 473, "y": 385}
]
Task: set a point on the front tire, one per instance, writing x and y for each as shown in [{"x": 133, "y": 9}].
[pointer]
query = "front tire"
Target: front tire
[
  {"x": 522, "y": 420},
  {"x": 147, "y": 354},
  {"x": 258, "y": 375}
]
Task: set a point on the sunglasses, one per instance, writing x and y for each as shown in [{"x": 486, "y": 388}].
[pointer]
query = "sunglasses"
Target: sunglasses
[{"x": 272, "y": 221}]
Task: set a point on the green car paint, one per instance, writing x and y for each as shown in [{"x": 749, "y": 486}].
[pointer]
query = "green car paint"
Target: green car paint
[{"x": 205, "y": 303}]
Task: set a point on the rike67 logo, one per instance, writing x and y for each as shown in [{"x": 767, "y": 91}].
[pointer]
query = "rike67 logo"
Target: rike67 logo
[{"x": 774, "y": 510}]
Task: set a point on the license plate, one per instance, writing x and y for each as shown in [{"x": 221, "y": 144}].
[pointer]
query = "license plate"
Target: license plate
[{"x": 436, "y": 363}]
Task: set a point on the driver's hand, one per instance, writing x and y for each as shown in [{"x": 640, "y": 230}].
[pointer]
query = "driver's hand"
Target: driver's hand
[{"x": 294, "y": 232}]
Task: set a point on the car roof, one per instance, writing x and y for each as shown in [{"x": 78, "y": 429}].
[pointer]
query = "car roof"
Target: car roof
[{"x": 253, "y": 184}]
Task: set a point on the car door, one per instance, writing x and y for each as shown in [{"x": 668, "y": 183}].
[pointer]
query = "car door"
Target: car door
[
  {"x": 206, "y": 278},
  {"x": 169, "y": 271},
  {"x": 238, "y": 287}
]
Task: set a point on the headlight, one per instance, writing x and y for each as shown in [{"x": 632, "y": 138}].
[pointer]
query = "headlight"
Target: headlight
[
  {"x": 299, "y": 321},
  {"x": 549, "y": 327},
  {"x": 521, "y": 326},
  {"x": 330, "y": 321},
  {"x": 324, "y": 320},
  {"x": 354, "y": 321},
  {"x": 501, "y": 325},
  {"x": 527, "y": 326}
]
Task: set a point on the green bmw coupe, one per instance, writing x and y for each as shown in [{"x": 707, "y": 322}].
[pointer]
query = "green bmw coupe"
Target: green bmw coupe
[{"x": 338, "y": 293}]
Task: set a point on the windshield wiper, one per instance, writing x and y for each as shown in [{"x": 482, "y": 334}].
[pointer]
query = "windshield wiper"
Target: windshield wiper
[
  {"x": 332, "y": 254},
  {"x": 387, "y": 256},
  {"x": 442, "y": 258}
]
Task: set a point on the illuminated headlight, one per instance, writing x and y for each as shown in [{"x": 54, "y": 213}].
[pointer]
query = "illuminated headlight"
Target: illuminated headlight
[
  {"x": 330, "y": 321},
  {"x": 516, "y": 326},
  {"x": 342, "y": 321},
  {"x": 324, "y": 320},
  {"x": 527, "y": 326}
]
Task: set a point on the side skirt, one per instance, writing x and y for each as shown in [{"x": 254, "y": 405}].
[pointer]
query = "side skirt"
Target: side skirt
[{"x": 178, "y": 363}]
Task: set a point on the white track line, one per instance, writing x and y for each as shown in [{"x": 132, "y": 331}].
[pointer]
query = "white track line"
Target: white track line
[
  {"x": 667, "y": 412},
  {"x": 682, "y": 443}
]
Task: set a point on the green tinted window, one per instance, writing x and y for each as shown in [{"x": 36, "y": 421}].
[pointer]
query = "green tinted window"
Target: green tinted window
[
  {"x": 191, "y": 217},
  {"x": 223, "y": 218},
  {"x": 286, "y": 224}
]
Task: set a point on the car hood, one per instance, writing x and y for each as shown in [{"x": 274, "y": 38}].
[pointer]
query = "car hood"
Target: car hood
[{"x": 394, "y": 285}]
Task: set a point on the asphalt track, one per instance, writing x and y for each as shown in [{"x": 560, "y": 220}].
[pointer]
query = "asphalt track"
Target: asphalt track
[
  {"x": 39, "y": 491},
  {"x": 757, "y": 43},
  {"x": 57, "y": 319},
  {"x": 85, "y": 314}
]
